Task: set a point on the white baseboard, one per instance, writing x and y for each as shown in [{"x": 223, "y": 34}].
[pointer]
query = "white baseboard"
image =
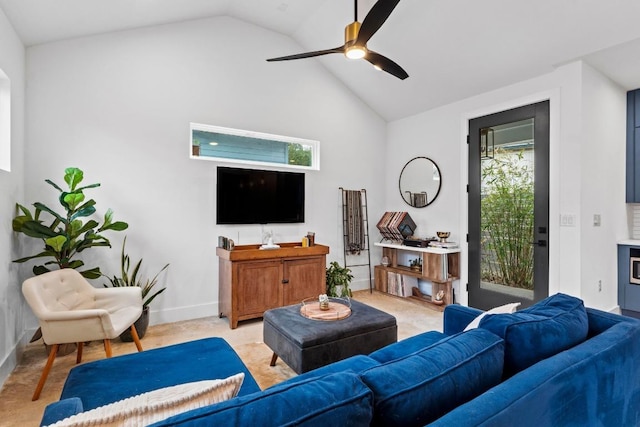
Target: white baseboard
[
  {"x": 183, "y": 313},
  {"x": 11, "y": 361}
]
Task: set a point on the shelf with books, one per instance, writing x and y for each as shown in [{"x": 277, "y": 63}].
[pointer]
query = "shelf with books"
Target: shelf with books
[{"x": 440, "y": 266}]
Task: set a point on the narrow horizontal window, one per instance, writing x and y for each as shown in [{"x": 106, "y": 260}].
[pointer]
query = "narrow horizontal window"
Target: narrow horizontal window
[{"x": 253, "y": 148}]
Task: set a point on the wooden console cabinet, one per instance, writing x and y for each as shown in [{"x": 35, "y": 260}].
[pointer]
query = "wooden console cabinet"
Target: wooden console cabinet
[
  {"x": 252, "y": 280},
  {"x": 439, "y": 266}
]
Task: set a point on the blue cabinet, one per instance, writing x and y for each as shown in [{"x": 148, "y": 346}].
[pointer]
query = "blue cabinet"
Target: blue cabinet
[
  {"x": 633, "y": 146},
  {"x": 628, "y": 290}
]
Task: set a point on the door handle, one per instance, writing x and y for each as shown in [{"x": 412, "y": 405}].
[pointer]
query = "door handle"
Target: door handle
[
  {"x": 541, "y": 242},
  {"x": 285, "y": 281}
]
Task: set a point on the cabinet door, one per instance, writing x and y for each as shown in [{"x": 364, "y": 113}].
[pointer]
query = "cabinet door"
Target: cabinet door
[
  {"x": 258, "y": 287},
  {"x": 303, "y": 278}
]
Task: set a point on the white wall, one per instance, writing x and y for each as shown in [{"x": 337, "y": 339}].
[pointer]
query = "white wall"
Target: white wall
[
  {"x": 119, "y": 105},
  {"x": 580, "y": 131},
  {"x": 12, "y": 307},
  {"x": 603, "y": 185}
]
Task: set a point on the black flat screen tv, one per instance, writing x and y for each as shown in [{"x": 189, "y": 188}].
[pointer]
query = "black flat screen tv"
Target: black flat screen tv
[{"x": 251, "y": 196}]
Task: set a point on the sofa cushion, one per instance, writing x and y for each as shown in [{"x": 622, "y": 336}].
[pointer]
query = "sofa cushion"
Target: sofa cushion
[
  {"x": 315, "y": 402},
  {"x": 407, "y": 346},
  {"x": 354, "y": 364},
  {"x": 158, "y": 404},
  {"x": 552, "y": 325},
  {"x": 506, "y": 308},
  {"x": 421, "y": 387}
]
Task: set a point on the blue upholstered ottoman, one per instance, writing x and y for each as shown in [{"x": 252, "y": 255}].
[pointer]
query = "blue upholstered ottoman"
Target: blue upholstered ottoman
[
  {"x": 305, "y": 344},
  {"x": 109, "y": 380}
]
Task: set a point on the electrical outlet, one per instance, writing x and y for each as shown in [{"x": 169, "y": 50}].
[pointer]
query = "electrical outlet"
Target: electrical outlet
[
  {"x": 567, "y": 220},
  {"x": 599, "y": 285},
  {"x": 596, "y": 220}
]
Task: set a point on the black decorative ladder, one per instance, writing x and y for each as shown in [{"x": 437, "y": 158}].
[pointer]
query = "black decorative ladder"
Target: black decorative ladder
[{"x": 365, "y": 230}]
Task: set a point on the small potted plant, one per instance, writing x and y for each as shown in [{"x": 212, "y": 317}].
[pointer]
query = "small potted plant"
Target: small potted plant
[
  {"x": 416, "y": 264},
  {"x": 131, "y": 279},
  {"x": 338, "y": 277}
]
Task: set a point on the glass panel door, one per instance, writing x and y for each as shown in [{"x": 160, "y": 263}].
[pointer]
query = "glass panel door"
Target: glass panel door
[{"x": 508, "y": 207}]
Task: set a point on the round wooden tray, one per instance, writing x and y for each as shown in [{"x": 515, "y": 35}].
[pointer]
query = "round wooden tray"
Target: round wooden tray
[{"x": 338, "y": 309}]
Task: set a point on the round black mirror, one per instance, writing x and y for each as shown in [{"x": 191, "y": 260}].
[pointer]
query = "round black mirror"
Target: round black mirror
[{"x": 420, "y": 182}]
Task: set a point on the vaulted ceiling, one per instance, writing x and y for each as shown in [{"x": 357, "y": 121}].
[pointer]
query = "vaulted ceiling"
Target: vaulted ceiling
[{"x": 452, "y": 49}]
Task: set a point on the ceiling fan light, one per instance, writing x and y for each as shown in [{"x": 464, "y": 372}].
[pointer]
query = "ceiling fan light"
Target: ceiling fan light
[
  {"x": 377, "y": 67},
  {"x": 355, "y": 52}
]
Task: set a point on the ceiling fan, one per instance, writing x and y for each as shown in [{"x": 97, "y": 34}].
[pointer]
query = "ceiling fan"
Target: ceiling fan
[{"x": 357, "y": 35}]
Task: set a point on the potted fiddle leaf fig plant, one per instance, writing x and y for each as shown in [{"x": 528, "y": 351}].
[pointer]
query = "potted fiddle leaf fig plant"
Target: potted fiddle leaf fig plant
[
  {"x": 69, "y": 233},
  {"x": 338, "y": 277},
  {"x": 130, "y": 277}
]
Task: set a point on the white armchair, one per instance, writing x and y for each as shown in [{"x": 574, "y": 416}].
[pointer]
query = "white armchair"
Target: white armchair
[{"x": 70, "y": 310}]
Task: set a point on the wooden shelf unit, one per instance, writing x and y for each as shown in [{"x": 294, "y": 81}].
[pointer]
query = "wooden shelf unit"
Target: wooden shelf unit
[
  {"x": 252, "y": 280},
  {"x": 439, "y": 266}
]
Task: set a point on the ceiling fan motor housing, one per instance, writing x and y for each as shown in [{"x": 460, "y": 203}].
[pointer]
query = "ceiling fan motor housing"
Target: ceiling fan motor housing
[{"x": 352, "y": 51}]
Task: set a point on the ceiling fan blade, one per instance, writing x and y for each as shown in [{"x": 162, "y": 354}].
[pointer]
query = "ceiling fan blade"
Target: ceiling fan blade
[
  {"x": 308, "y": 54},
  {"x": 385, "y": 64},
  {"x": 374, "y": 20}
]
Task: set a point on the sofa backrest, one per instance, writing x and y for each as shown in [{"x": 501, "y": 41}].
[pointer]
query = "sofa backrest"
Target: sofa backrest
[{"x": 593, "y": 383}]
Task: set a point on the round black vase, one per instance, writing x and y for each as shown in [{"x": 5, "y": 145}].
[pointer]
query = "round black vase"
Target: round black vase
[{"x": 141, "y": 327}]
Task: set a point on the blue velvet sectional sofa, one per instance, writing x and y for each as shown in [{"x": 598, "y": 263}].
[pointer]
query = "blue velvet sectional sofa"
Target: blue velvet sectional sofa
[{"x": 552, "y": 364}]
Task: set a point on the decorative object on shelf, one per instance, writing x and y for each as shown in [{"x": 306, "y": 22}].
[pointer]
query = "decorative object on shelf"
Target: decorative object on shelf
[
  {"x": 420, "y": 182},
  {"x": 438, "y": 298},
  {"x": 130, "y": 278},
  {"x": 324, "y": 302},
  {"x": 226, "y": 243},
  {"x": 418, "y": 243},
  {"x": 66, "y": 234},
  {"x": 416, "y": 264},
  {"x": 270, "y": 244},
  {"x": 396, "y": 226},
  {"x": 384, "y": 261},
  {"x": 312, "y": 237},
  {"x": 443, "y": 235},
  {"x": 338, "y": 277}
]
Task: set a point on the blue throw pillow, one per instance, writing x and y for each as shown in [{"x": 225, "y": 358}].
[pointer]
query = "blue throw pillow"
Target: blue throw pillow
[
  {"x": 313, "y": 402},
  {"x": 552, "y": 325},
  {"x": 421, "y": 387}
]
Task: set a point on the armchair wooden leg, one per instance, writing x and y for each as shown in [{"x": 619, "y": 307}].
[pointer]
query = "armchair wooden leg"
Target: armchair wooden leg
[
  {"x": 45, "y": 372},
  {"x": 79, "y": 355},
  {"x": 107, "y": 347},
  {"x": 136, "y": 338}
]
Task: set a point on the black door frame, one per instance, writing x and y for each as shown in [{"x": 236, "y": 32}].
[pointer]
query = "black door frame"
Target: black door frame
[{"x": 482, "y": 298}]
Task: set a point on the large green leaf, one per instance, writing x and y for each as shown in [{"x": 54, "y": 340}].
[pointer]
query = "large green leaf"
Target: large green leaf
[
  {"x": 75, "y": 264},
  {"x": 108, "y": 217},
  {"x": 94, "y": 273},
  {"x": 85, "y": 211},
  {"x": 18, "y": 223},
  {"x": 45, "y": 208},
  {"x": 26, "y": 212},
  {"x": 37, "y": 230},
  {"x": 73, "y": 176},
  {"x": 116, "y": 226},
  {"x": 40, "y": 255},
  {"x": 57, "y": 242},
  {"x": 54, "y": 185},
  {"x": 74, "y": 199},
  {"x": 88, "y": 186},
  {"x": 40, "y": 269},
  {"x": 88, "y": 226}
]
